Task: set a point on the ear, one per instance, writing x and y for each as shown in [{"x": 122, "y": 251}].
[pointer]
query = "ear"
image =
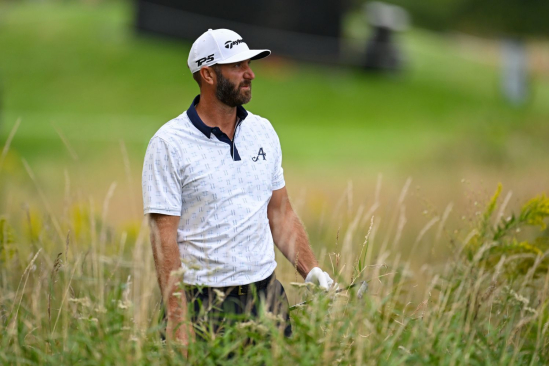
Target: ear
[{"x": 208, "y": 75}]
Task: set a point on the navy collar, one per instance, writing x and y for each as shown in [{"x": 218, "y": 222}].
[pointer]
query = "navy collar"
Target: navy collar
[{"x": 241, "y": 113}]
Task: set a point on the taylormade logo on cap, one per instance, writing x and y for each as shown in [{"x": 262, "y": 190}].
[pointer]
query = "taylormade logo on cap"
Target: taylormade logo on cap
[
  {"x": 230, "y": 44},
  {"x": 221, "y": 46}
]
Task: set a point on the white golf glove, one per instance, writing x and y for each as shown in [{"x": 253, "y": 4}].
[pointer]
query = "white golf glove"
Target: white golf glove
[{"x": 319, "y": 278}]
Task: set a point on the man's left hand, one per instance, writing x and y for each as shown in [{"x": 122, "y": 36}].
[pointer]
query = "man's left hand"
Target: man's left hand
[{"x": 319, "y": 278}]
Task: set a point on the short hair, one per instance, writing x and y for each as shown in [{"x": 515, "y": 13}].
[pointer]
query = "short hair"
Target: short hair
[{"x": 198, "y": 78}]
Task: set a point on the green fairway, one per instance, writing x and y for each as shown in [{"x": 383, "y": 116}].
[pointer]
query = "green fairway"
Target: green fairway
[{"x": 83, "y": 70}]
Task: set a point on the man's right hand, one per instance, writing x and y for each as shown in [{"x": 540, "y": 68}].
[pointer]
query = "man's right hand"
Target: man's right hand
[{"x": 181, "y": 333}]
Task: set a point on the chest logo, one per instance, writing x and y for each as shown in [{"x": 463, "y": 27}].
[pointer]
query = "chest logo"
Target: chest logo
[{"x": 260, "y": 153}]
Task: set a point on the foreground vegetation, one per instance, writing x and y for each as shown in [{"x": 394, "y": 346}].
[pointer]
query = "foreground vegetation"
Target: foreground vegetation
[{"x": 75, "y": 290}]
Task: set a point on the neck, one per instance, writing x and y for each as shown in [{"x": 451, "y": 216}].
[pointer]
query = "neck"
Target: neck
[{"x": 216, "y": 114}]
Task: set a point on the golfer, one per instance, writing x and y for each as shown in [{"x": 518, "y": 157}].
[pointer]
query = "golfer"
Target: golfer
[{"x": 214, "y": 190}]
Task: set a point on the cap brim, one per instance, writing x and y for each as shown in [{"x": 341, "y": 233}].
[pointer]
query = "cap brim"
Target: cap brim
[{"x": 247, "y": 55}]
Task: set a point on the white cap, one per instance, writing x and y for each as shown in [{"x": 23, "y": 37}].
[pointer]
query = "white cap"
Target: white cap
[{"x": 221, "y": 46}]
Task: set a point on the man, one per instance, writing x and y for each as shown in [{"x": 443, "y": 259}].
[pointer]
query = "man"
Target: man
[{"x": 214, "y": 190}]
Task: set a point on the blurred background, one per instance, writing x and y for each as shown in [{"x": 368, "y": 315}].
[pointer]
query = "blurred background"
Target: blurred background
[{"x": 408, "y": 111}]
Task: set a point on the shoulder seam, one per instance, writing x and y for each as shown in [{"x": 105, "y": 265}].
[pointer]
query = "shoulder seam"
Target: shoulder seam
[{"x": 170, "y": 146}]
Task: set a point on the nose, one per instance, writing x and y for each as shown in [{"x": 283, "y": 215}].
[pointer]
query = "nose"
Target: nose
[{"x": 248, "y": 73}]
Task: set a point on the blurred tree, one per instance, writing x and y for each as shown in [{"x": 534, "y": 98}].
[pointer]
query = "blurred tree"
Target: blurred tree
[
  {"x": 508, "y": 18},
  {"x": 514, "y": 18}
]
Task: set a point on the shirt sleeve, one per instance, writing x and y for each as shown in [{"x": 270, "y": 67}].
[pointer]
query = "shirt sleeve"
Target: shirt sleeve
[
  {"x": 161, "y": 180},
  {"x": 278, "y": 174}
]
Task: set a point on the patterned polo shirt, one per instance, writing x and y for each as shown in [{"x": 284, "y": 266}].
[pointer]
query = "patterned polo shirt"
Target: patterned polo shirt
[{"x": 220, "y": 189}]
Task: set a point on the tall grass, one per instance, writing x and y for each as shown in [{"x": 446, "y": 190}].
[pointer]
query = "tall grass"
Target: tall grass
[{"x": 76, "y": 290}]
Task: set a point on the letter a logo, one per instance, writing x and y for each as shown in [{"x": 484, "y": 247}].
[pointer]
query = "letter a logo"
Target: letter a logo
[{"x": 262, "y": 153}]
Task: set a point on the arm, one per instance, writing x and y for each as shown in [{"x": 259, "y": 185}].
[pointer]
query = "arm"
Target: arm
[
  {"x": 167, "y": 259},
  {"x": 289, "y": 234}
]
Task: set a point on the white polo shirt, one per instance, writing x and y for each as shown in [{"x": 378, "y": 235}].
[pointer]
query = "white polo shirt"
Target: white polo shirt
[{"x": 220, "y": 189}]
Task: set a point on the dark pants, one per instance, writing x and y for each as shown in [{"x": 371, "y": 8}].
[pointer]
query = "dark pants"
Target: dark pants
[{"x": 210, "y": 312}]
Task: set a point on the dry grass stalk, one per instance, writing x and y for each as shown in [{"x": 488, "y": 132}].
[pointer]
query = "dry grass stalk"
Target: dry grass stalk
[
  {"x": 64, "y": 297},
  {"x": 397, "y": 213},
  {"x": 65, "y": 141},
  {"x": 8, "y": 142},
  {"x": 44, "y": 201},
  {"x": 26, "y": 275},
  {"x": 56, "y": 265}
]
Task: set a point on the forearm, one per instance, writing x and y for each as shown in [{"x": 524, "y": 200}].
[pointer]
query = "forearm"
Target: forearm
[
  {"x": 291, "y": 238},
  {"x": 167, "y": 261}
]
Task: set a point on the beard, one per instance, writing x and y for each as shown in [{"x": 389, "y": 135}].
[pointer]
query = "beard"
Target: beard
[{"x": 229, "y": 93}]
